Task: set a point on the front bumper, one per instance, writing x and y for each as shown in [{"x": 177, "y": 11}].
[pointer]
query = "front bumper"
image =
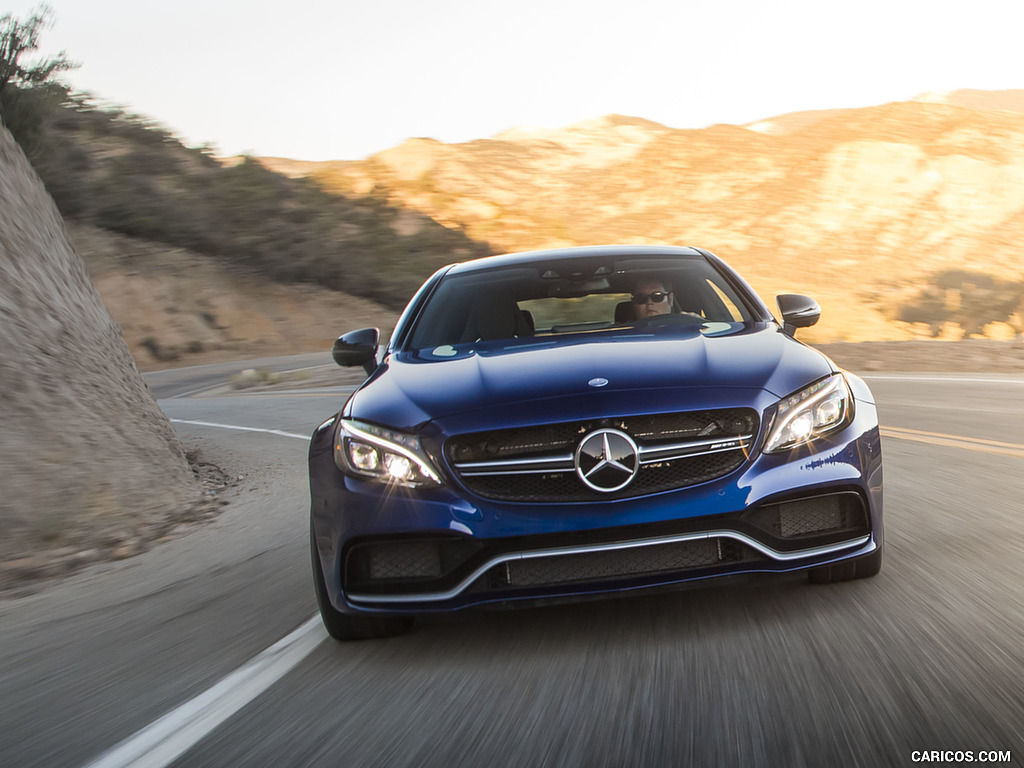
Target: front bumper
[{"x": 392, "y": 551}]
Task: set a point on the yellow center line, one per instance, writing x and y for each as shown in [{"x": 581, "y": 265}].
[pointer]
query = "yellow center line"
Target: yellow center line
[{"x": 1015, "y": 450}]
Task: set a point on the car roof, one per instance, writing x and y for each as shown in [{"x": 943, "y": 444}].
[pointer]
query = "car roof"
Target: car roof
[{"x": 578, "y": 252}]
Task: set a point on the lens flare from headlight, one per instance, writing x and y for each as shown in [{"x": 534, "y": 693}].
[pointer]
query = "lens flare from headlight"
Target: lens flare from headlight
[
  {"x": 377, "y": 453},
  {"x": 809, "y": 414}
]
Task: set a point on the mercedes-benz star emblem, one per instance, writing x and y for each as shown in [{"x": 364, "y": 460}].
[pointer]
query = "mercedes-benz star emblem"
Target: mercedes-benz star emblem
[{"x": 607, "y": 460}]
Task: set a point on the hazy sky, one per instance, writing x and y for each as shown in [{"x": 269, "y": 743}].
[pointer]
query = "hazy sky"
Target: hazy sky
[{"x": 337, "y": 79}]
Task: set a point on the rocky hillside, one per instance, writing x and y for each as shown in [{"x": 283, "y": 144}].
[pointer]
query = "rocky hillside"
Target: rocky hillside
[
  {"x": 68, "y": 388},
  {"x": 862, "y": 208},
  {"x": 177, "y": 307},
  {"x": 126, "y": 174}
]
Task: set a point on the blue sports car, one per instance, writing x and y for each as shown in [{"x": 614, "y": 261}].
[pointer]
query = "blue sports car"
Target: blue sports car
[{"x": 582, "y": 421}]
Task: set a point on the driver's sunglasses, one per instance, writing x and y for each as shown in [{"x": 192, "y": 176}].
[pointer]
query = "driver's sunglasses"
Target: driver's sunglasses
[{"x": 655, "y": 298}]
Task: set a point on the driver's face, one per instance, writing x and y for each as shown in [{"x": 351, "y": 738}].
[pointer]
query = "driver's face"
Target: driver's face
[{"x": 650, "y": 308}]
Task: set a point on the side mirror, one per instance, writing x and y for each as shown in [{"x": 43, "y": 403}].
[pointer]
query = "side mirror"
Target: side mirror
[
  {"x": 797, "y": 311},
  {"x": 358, "y": 348}
]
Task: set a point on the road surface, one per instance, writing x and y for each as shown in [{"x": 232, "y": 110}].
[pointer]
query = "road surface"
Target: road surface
[{"x": 163, "y": 659}]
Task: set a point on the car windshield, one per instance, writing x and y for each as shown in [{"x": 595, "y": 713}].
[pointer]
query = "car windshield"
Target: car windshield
[{"x": 545, "y": 299}]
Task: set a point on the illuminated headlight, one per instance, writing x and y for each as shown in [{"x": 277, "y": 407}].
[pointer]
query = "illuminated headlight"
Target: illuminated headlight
[
  {"x": 809, "y": 414},
  {"x": 383, "y": 454}
]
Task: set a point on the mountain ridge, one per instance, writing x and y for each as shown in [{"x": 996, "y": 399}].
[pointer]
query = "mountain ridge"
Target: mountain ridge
[{"x": 864, "y": 207}]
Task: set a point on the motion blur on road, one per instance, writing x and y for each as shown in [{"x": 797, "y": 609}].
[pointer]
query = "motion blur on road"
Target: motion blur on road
[
  {"x": 206, "y": 650},
  {"x": 927, "y": 656}
]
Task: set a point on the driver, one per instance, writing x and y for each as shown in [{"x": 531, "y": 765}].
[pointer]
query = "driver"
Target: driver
[{"x": 652, "y": 297}]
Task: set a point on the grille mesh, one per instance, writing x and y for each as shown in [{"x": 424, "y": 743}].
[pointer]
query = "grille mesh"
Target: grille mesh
[
  {"x": 811, "y": 517},
  {"x": 649, "y": 431},
  {"x": 408, "y": 560},
  {"x": 602, "y": 565},
  {"x": 619, "y": 563}
]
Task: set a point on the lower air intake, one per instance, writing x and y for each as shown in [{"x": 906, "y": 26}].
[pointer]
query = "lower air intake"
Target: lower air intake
[
  {"x": 818, "y": 516},
  {"x": 410, "y": 560},
  {"x": 618, "y": 563},
  {"x": 798, "y": 518}
]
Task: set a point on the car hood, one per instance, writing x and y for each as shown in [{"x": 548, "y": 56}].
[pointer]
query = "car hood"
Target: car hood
[{"x": 568, "y": 376}]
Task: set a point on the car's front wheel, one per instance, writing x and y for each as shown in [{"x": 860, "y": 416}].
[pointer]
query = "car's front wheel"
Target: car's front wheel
[
  {"x": 341, "y": 626},
  {"x": 861, "y": 568}
]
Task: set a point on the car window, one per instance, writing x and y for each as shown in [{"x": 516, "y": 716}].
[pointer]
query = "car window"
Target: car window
[
  {"x": 564, "y": 298},
  {"x": 728, "y": 301},
  {"x": 553, "y": 314}
]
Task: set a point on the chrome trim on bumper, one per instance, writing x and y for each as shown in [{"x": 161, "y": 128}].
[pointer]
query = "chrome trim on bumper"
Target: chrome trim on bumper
[{"x": 559, "y": 551}]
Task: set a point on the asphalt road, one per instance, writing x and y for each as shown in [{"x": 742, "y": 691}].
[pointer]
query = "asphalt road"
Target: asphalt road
[
  {"x": 187, "y": 382},
  {"x": 927, "y": 656}
]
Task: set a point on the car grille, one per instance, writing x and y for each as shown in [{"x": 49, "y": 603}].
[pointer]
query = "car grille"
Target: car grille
[
  {"x": 617, "y": 564},
  {"x": 537, "y": 464}
]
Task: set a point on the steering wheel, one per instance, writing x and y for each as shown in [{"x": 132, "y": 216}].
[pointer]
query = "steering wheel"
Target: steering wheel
[{"x": 675, "y": 318}]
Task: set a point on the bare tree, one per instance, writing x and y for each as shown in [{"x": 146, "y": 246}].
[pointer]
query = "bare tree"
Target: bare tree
[
  {"x": 19, "y": 39},
  {"x": 30, "y": 90}
]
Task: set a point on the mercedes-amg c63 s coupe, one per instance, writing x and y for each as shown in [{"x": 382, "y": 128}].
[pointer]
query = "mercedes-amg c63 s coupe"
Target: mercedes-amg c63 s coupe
[{"x": 601, "y": 420}]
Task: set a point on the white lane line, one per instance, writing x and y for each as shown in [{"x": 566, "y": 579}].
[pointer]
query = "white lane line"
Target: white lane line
[
  {"x": 312, "y": 392},
  {"x": 219, "y": 384},
  {"x": 946, "y": 379},
  {"x": 277, "y": 432},
  {"x": 194, "y": 391},
  {"x": 166, "y": 739}
]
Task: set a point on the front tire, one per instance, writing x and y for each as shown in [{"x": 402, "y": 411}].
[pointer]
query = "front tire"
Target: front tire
[{"x": 340, "y": 625}]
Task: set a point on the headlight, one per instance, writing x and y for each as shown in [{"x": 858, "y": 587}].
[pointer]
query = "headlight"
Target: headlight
[
  {"x": 383, "y": 454},
  {"x": 811, "y": 413}
]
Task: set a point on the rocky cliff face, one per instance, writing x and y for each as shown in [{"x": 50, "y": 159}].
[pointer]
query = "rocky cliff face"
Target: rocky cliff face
[{"x": 86, "y": 455}]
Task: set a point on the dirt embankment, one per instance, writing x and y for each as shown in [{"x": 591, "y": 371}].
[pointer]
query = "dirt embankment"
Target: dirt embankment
[
  {"x": 89, "y": 461},
  {"x": 93, "y": 471},
  {"x": 178, "y": 308}
]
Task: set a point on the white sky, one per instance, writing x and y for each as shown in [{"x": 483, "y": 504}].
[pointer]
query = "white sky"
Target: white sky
[{"x": 342, "y": 79}]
